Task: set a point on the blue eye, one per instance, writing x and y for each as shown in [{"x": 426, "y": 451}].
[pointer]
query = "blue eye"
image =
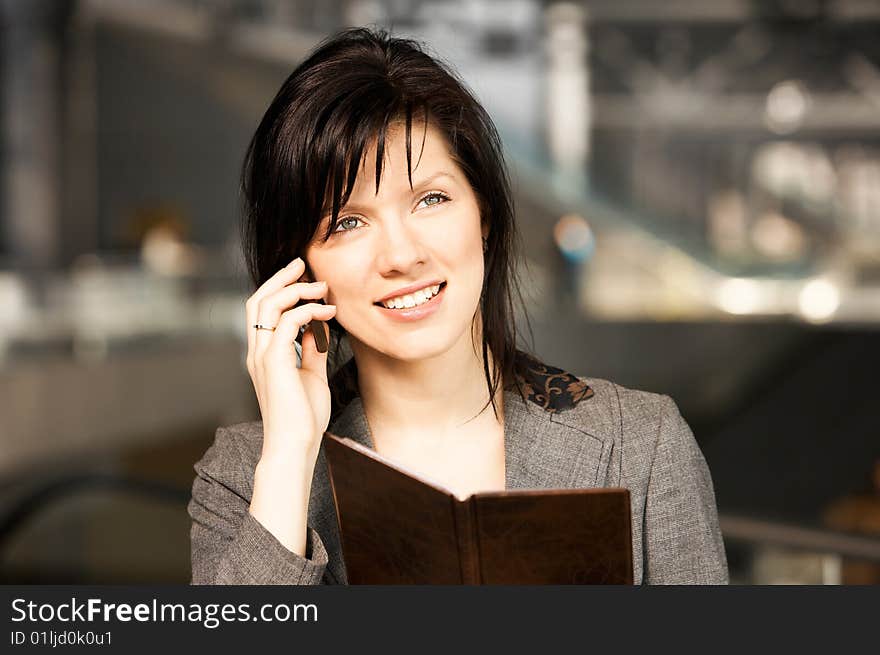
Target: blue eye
[
  {"x": 435, "y": 198},
  {"x": 342, "y": 221}
]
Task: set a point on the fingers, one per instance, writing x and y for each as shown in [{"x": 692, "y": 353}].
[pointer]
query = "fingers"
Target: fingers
[
  {"x": 286, "y": 276},
  {"x": 281, "y": 342},
  {"x": 271, "y": 307},
  {"x": 276, "y": 353},
  {"x": 291, "y": 320},
  {"x": 290, "y": 273}
]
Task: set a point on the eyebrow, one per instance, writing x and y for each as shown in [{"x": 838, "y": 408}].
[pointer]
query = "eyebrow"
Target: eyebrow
[{"x": 433, "y": 178}]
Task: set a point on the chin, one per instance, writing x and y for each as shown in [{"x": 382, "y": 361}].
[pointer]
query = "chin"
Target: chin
[
  {"x": 416, "y": 348},
  {"x": 412, "y": 347}
]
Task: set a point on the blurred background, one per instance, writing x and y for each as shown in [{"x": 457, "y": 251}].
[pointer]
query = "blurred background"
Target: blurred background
[{"x": 697, "y": 186}]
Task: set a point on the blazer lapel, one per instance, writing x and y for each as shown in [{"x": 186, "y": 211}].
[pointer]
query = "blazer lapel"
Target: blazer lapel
[{"x": 545, "y": 450}]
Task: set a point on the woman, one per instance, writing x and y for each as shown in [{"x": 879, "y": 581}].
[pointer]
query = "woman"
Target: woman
[{"x": 375, "y": 182}]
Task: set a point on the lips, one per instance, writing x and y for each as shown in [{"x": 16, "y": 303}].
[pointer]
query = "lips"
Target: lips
[
  {"x": 409, "y": 290},
  {"x": 417, "y": 313},
  {"x": 398, "y": 294}
]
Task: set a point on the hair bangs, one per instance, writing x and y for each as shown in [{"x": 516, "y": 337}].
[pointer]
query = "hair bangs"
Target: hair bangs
[{"x": 346, "y": 140}]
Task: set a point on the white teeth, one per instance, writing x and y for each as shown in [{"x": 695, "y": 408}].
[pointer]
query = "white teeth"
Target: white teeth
[{"x": 413, "y": 299}]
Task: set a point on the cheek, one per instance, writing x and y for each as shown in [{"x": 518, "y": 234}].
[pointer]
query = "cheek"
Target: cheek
[
  {"x": 340, "y": 292},
  {"x": 345, "y": 280},
  {"x": 457, "y": 235}
]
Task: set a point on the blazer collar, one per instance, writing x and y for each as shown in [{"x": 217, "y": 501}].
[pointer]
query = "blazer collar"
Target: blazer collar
[{"x": 544, "y": 446}]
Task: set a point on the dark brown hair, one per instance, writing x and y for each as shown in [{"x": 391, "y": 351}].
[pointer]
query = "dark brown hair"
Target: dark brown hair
[{"x": 305, "y": 156}]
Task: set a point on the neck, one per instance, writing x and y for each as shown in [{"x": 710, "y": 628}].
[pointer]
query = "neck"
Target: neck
[{"x": 434, "y": 398}]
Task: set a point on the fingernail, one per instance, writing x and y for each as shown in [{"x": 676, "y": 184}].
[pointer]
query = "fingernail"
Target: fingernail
[{"x": 295, "y": 261}]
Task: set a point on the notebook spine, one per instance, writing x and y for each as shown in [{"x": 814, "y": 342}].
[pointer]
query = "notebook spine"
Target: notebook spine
[{"x": 466, "y": 535}]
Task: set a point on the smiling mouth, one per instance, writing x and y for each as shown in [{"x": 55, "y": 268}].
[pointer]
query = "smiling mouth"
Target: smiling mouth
[{"x": 442, "y": 286}]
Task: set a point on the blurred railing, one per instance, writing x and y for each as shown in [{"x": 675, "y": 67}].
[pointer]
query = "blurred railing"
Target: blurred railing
[
  {"x": 763, "y": 532},
  {"x": 762, "y": 551}
]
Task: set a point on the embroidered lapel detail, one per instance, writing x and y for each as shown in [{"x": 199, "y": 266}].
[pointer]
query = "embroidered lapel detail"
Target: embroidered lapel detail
[{"x": 551, "y": 388}]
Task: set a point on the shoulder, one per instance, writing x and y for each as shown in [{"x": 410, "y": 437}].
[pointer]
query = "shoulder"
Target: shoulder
[
  {"x": 635, "y": 421},
  {"x": 652, "y": 452},
  {"x": 561, "y": 393},
  {"x": 604, "y": 408},
  {"x": 648, "y": 428},
  {"x": 635, "y": 406},
  {"x": 613, "y": 409}
]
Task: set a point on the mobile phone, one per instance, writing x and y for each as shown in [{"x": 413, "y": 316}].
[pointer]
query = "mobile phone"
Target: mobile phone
[
  {"x": 320, "y": 335},
  {"x": 316, "y": 326}
]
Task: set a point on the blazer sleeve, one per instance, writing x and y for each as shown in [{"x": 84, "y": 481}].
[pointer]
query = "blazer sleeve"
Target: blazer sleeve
[
  {"x": 228, "y": 545},
  {"x": 683, "y": 543}
]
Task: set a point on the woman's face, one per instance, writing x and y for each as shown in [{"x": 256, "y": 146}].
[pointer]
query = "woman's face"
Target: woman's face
[{"x": 400, "y": 237}]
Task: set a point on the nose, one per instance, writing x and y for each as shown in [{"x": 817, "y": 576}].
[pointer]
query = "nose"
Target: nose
[{"x": 400, "y": 250}]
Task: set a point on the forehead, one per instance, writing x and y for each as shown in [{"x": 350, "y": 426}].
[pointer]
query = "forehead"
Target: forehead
[{"x": 429, "y": 154}]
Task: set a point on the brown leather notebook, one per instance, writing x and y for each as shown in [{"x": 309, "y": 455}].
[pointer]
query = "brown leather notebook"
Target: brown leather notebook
[{"x": 399, "y": 528}]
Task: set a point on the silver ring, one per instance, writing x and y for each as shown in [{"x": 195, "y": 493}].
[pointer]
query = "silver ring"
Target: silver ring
[{"x": 264, "y": 327}]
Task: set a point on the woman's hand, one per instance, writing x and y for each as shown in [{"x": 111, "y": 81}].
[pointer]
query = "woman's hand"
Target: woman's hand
[{"x": 294, "y": 402}]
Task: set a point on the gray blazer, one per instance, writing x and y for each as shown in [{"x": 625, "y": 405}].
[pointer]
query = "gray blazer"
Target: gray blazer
[{"x": 601, "y": 435}]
